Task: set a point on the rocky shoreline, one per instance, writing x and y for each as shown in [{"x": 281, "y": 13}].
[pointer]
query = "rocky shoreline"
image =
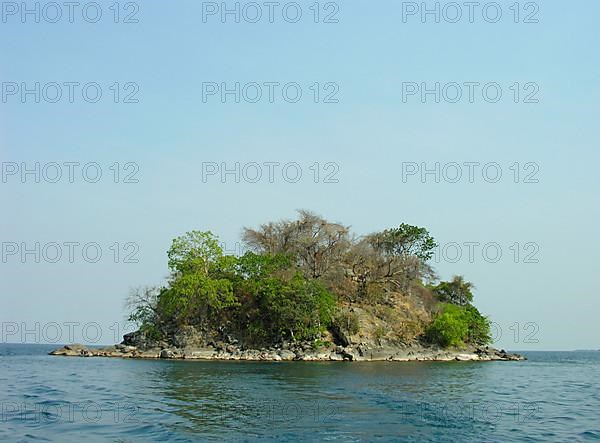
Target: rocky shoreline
[{"x": 295, "y": 352}]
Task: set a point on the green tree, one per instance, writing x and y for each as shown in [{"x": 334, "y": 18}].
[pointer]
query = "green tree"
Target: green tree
[
  {"x": 194, "y": 251},
  {"x": 479, "y": 327},
  {"x": 457, "y": 291},
  {"x": 199, "y": 290},
  {"x": 300, "y": 310},
  {"x": 405, "y": 241}
]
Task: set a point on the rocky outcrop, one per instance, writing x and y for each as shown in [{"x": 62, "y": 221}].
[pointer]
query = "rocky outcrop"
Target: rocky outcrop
[
  {"x": 294, "y": 352},
  {"x": 188, "y": 343}
]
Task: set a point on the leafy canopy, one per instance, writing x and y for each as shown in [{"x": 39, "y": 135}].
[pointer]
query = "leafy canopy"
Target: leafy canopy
[
  {"x": 456, "y": 291},
  {"x": 194, "y": 251},
  {"x": 405, "y": 241}
]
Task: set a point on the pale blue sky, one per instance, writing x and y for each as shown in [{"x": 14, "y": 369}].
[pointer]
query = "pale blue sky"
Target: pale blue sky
[{"x": 368, "y": 134}]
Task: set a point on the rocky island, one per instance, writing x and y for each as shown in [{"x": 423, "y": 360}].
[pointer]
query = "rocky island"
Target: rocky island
[{"x": 308, "y": 290}]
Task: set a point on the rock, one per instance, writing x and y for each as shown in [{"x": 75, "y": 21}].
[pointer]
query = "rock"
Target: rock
[
  {"x": 151, "y": 353},
  {"x": 286, "y": 351},
  {"x": 340, "y": 336},
  {"x": 466, "y": 357},
  {"x": 167, "y": 353},
  {"x": 287, "y": 355},
  {"x": 377, "y": 354},
  {"x": 61, "y": 351},
  {"x": 137, "y": 339},
  {"x": 74, "y": 350},
  {"x": 200, "y": 354},
  {"x": 75, "y": 347}
]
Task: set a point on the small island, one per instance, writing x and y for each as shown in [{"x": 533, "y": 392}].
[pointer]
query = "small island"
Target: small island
[{"x": 310, "y": 290}]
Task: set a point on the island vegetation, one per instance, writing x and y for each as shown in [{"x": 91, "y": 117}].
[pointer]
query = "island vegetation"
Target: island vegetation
[{"x": 309, "y": 281}]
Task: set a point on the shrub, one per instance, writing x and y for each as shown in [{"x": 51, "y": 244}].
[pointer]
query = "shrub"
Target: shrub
[
  {"x": 282, "y": 307},
  {"x": 449, "y": 328},
  {"x": 456, "y": 325}
]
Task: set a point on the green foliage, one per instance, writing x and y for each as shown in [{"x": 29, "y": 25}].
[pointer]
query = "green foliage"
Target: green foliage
[
  {"x": 255, "y": 267},
  {"x": 456, "y": 326},
  {"x": 479, "y": 330},
  {"x": 197, "y": 295},
  {"x": 449, "y": 328},
  {"x": 142, "y": 314},
  {"x": 456, "y": 291},
  {"x": 405, "y": 241},
  {"x": 289, "y": 308},
  {"x": 195, "y": 251}
]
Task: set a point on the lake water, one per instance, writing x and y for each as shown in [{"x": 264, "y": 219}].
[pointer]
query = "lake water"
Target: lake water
[{"x": 554, "y": 396}]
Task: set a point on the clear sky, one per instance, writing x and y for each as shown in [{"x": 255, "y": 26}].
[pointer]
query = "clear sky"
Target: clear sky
[{"x": 544, "y": 297}]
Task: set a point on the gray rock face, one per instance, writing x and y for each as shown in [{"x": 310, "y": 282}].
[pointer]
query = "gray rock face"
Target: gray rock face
[
  {"x": 136, "y": 339},
  {"x": 189, "y": 337}
]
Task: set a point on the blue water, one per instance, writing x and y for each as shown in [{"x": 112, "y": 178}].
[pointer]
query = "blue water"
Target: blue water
[{"x": 554, "y": 396}]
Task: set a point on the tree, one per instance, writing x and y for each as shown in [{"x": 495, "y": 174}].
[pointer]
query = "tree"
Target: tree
[
  {"x": 457, "y": 291},
  {"x": 300, "y": 309},
  {"x": 278, "y": 301},
  {"x": 194, "y": 251},
  {"x": 142, "y": 303},
  {"x": 479, "y": 327},
  {"x": 390, "y": 261},
  {"x": 316, "y": 244},
  {"x": 199, "y": 289},
  {"x": 404, "y": 241},
  {"x": 143, "y": 306}
]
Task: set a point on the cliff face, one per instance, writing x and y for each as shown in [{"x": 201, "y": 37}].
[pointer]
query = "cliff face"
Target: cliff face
[{"x": 401, "y": 321}]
